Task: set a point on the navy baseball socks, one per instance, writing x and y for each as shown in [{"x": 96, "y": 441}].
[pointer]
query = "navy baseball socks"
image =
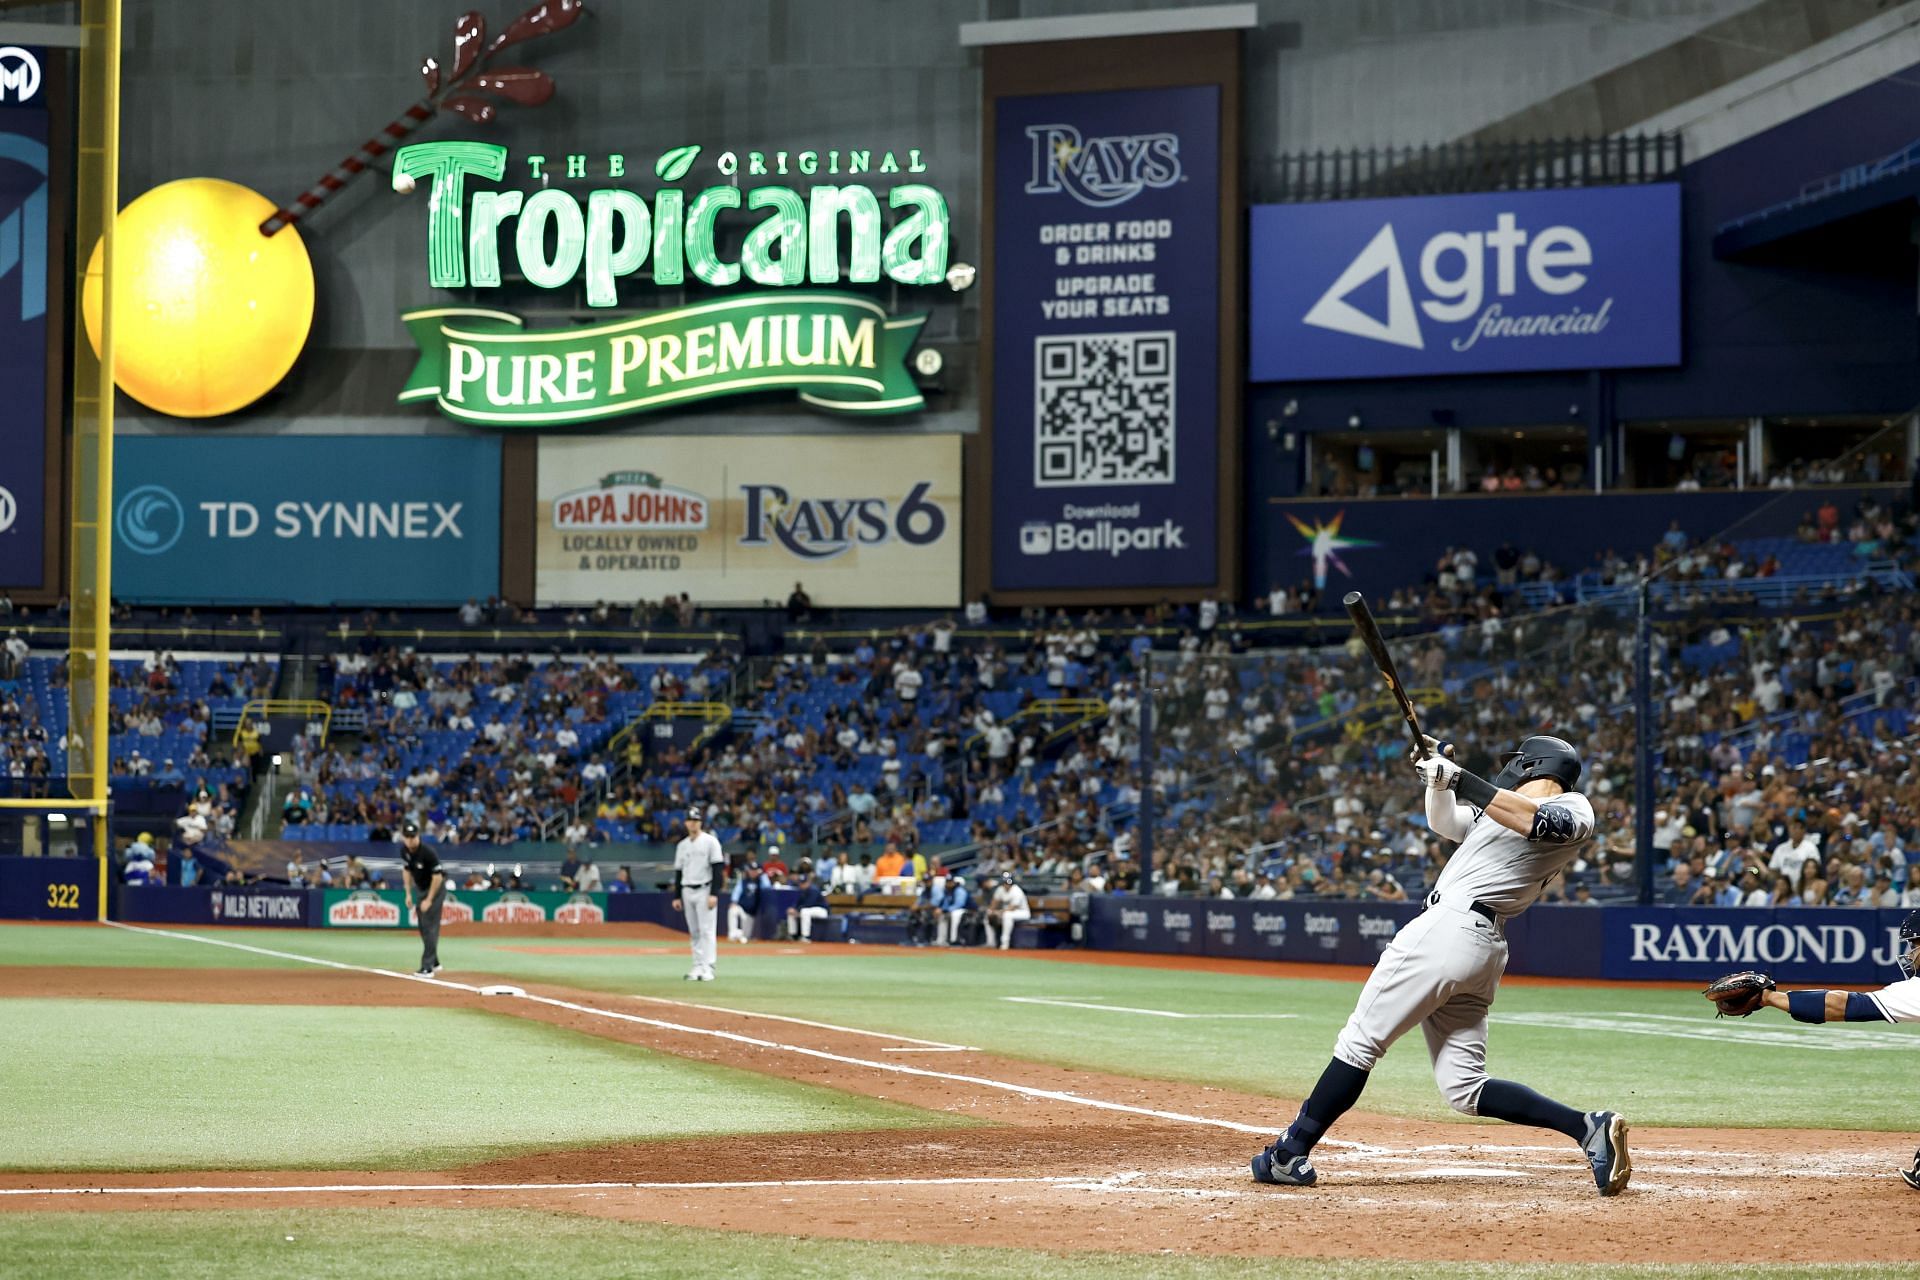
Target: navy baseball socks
[
  {"x": 1517, "y": 1104},
  {"x": 1285, "y": 1163},
  {"x": 1601, "y": 1134}
]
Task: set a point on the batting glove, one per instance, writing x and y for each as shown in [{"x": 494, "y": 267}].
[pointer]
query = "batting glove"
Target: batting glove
[{"x": 1438, "y": 772}]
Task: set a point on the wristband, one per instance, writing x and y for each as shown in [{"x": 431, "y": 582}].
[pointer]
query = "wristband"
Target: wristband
[
  {"x": 1474, "y": 789},
  {"x": 1807, "y": 1006}
]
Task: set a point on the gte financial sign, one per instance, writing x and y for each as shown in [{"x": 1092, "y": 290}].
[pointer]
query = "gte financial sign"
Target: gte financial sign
[
  {"x": 1583, "y": 278},
  {"x": 774, "y": 314}
]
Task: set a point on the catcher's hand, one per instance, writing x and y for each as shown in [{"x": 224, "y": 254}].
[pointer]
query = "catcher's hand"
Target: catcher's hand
[{"x": 1739, "y": 994}]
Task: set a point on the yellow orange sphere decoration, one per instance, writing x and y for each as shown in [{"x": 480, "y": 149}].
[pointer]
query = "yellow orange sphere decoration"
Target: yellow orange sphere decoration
[{"x": 208, "y": 313}]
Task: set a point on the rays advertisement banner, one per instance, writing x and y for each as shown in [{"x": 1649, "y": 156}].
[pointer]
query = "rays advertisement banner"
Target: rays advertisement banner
[
  {"x": 858, "y": 520},
  {"x": 1584, "y": 278},
  {"x": 310, "y": 520},
  {"x": 1105, "y": 341},
  {"x": 24, "y": 273}
]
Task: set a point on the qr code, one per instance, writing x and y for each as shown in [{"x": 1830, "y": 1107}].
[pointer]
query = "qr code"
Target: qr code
[{"x": 1103, "y": 409}]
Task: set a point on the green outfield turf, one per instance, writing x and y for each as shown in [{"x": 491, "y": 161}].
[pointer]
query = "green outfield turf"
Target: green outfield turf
[
  {"x": 148, "y": 1085},
  {"x": 1658, "y": 1055},
  {"x": 399, "y": 1243}
]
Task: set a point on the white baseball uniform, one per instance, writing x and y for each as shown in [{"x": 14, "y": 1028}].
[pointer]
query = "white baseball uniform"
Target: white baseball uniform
[
  {"x": 1009, "y": 908},
  {"x": 1442, "y": 970},
  {"x": 1899, "y": 1002},
  {"x": 700, "y": 861}
]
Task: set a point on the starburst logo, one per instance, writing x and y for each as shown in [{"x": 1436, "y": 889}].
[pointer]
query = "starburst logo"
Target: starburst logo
[{"x": 1325, "y": 542}]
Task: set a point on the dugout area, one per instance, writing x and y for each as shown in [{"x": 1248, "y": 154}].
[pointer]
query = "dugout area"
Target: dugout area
[{"x": 195, "y": 1097}]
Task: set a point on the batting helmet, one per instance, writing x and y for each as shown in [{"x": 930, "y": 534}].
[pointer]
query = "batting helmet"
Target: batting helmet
[
  {"x": 1909, "y": 957},
  {"x": 1540, "y": 757}
]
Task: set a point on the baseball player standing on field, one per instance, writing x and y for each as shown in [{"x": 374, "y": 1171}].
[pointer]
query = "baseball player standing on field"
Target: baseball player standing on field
[
  {"x": 420, "y": 874},
  {"x": 1442, "y": 970},
  {"x": 700, "y": 877},
  {"x": 1740, "y": 994}
]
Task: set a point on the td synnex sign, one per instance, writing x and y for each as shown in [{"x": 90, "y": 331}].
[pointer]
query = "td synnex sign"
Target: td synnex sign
[
  {"x": 307, "y": 520},
  {"x": 1582, "y": 278}
]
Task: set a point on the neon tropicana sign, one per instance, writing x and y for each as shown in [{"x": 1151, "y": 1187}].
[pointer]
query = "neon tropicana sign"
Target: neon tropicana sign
[{"x": 840, "y": 351}]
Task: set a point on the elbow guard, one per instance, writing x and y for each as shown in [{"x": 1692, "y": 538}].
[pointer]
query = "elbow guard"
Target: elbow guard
[{"x": 1553, "y": 824}]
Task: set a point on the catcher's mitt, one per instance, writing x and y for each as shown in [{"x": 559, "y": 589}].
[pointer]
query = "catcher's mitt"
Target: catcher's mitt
[{"x": 1739, "y": 994}]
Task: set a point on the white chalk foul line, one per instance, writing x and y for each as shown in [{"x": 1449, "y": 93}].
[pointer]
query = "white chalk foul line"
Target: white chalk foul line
[
  {"x": 937, "y": 1046},
  {"x": 350, "y": 1188},
  {"x": 734, "y": 1037},
  {"x": 1149, "y": 1013}
]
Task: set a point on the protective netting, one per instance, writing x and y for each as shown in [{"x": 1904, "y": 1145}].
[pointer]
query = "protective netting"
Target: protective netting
[{"x": 1295, "y": 764}]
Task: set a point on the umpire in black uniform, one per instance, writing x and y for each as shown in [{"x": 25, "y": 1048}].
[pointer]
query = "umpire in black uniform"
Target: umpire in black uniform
[{"x": 421, "y": 875}]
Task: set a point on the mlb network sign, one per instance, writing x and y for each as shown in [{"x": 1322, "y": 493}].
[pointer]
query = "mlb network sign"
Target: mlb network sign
[{"x": 1576, "y": 279}]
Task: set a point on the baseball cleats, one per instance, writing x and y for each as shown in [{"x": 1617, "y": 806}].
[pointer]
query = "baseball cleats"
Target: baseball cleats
[
  {"x": 1278, "y": 1168},
  {"x": 1606, "y": 1148},
  {"x": 705, "y": 975},
  {"x": 1912, "y": 1176}
]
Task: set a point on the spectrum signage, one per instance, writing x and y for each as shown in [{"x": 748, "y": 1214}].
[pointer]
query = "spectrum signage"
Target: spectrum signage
[
  {"x": 1582, "y": 278},
  {"x": 841, "y": 351}
]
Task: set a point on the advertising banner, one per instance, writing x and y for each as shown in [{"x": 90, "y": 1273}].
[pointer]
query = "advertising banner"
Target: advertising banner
[
  {"x": 1241, "y": 929},
  {"x": 1579, "y": 278},
  {"x": 859, "y": 520},
  {"x": 311, "y": 520},
  {"x": 1105, "y": 341},
  {"x": 1834, "y": 946},
  {"x": 24, "y": 260},
  {"x": 1837, "y": 946},
  {"x": 387, "y": 908},
  {"x": 217, "y": 904},
  {"x": 771, "y": 227}
]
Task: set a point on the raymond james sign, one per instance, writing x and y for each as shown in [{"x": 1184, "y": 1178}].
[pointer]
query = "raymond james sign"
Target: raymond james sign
[
  {"x": 838, "y": 351},
  {"x": 1567, "y": 279}
]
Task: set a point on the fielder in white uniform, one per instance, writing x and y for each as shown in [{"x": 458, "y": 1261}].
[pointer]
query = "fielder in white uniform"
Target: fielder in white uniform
[
  {"x": 700, "y": 876},
  {"x": 1441, "y": 971},
  {"x": 1897, "y": 1003}
]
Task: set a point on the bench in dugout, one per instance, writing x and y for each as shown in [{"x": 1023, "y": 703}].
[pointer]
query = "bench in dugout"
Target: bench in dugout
[{"x": 887, "y": 918}]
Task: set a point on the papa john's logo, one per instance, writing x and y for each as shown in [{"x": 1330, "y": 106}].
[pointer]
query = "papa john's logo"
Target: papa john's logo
[
  {"x": 631, "y": 500},
  {"x": 1325, "y": 542}
]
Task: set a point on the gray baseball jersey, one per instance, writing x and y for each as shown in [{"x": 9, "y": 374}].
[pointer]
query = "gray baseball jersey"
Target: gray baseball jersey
[{"x": 1506, "y": 870}]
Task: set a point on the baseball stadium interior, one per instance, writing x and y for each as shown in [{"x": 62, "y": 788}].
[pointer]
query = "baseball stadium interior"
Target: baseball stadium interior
[{"x": 940, "y": 621}]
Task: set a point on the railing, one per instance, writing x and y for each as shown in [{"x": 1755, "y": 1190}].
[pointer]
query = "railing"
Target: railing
[
  {"x": 715, "y": 714},
  {"x": 1453, "y": 167},
  {"x": 1080, "y": 712},
  {"x": 267, "y": 708},
  {"x": 1770, "y": 592}
]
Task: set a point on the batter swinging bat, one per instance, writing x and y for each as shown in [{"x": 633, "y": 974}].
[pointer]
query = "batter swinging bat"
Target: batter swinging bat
[{"x": 1370, "y": 636}]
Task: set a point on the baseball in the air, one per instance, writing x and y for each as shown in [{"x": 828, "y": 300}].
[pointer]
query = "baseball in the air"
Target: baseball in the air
[{"x": 403, "y": 183}]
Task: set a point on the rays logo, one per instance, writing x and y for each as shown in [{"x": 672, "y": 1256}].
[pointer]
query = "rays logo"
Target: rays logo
[
  {"x": 822, "y": 528},
  {"x": 1100, "y": 172},
  {"x": 150, "y": 520}
]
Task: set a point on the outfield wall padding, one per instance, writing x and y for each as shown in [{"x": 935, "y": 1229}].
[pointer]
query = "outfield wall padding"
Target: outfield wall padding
[
  {"x": 49, "y": 888},
  {"x": 1842, "y": 946}
]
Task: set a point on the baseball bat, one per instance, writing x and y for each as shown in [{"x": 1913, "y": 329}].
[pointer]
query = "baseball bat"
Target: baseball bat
[{"x": 1370, "y": 636}]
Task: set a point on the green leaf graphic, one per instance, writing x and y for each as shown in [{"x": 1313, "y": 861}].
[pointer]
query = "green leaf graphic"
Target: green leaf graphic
[{"x": 673, "y": 166}]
